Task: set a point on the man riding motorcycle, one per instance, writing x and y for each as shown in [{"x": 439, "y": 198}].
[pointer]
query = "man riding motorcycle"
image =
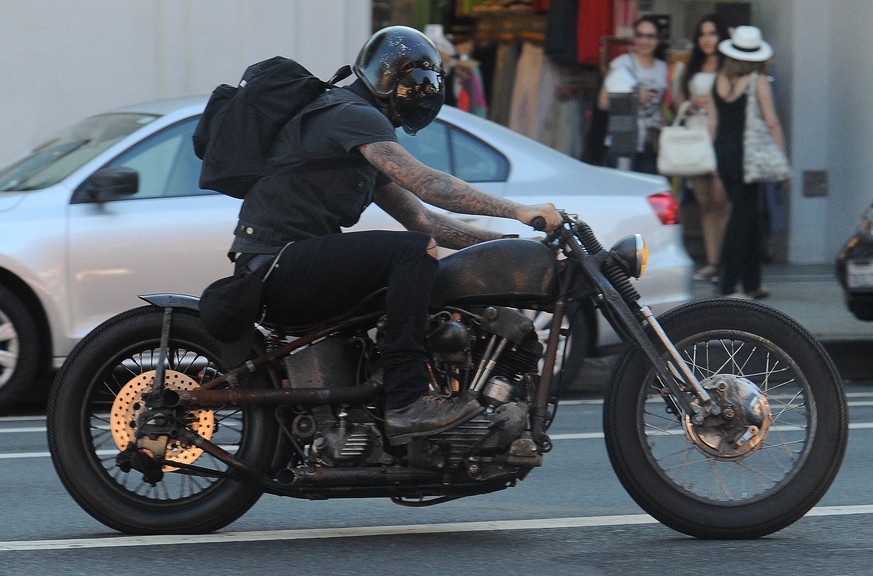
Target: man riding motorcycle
[{"x": 324, "y": 168}]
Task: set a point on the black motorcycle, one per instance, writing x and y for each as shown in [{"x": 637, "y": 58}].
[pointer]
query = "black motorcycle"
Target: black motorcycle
[{"x": 723, "y": 418}]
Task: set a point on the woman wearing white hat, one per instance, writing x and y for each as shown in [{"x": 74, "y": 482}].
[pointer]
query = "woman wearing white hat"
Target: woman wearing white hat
[{"x": 746, "y": 55}]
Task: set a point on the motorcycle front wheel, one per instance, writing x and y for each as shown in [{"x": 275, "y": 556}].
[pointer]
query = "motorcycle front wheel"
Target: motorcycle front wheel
[
  {"x": 782, "y": 435},
  {"x": 95, "y": 399}
]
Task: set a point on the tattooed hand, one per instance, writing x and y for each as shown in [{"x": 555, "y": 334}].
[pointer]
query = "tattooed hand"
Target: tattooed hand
[{"x": 553, "y": 218}]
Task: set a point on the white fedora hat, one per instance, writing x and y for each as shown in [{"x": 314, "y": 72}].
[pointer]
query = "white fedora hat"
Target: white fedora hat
[{"x": 746, "y": 44}]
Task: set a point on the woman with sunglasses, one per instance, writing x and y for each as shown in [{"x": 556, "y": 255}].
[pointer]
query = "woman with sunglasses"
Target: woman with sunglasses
[{"x": 645, "y": 62}]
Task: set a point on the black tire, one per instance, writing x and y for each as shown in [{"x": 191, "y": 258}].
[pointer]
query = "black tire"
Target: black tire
[
  {"x": 705, "y": 495},
  {"x": 83, "y": 449},
  {"x": 19, "y": 350}
]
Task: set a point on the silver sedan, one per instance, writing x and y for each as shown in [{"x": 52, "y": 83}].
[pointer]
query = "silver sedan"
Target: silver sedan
[{"x": 111, "y": 208}]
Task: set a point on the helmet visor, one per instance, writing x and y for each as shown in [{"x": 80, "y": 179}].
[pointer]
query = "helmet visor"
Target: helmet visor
[{"x": 417, "y": 99}]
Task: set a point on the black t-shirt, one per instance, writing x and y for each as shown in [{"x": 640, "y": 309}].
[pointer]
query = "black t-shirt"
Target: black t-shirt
[
  {"x": 316, "y": 182},
  {"x": 345, "y": 127}
]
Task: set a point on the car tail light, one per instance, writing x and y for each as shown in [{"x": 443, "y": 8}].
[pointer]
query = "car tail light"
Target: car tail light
[{"x": 665, "y": 206}]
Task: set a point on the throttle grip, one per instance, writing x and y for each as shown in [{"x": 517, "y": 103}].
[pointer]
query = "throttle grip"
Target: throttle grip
[{"x": 538, "y": 223}]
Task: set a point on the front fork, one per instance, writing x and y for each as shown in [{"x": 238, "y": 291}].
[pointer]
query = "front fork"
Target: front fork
[{"x": 685, "y": 389}]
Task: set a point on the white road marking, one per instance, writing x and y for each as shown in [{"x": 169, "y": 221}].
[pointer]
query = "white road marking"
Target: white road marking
[
  {"x": 568, "y": 436},
  {"x": 368, "y": 531}
]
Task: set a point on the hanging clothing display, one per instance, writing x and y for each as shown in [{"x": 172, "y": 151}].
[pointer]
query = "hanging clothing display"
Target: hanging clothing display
[
  {"x": 465, "y": 88},
  {"x": 594, "y": 20},
  {"x": 562, "y": 30},
  {"x": 546, "y": 66},
  {"x": 533, "y": 92},
  {"x": 564, "y": 126},
  {"x": 505, "y": 65}
]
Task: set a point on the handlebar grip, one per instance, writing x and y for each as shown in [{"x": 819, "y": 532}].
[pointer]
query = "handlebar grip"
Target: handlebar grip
[{"x": 538, "y": 223}]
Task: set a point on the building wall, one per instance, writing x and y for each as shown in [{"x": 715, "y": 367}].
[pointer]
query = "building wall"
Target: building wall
[
  {"x": 847, "y": 107},
  {"x": 824, "y": 79},
  {"x": 66, "y": 60}
]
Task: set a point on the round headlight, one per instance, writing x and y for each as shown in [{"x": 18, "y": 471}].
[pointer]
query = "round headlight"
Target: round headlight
[{"x": 632, "y": 254}]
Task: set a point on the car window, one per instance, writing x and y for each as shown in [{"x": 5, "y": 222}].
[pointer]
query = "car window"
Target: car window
[
  {"x": 430, "y": 146},
  {"x": 450, "y": 149},
  {"x": 51, "y": 162},
  {"x": 475, "y": 161},
  {"x": 166, "y": 163}
]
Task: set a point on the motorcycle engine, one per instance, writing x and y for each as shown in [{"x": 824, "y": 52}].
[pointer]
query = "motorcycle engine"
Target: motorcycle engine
[
  {"x": 469, "y": 348},
  {"x": 492, "y": 354},
  {"x": 333, "y": 435}
]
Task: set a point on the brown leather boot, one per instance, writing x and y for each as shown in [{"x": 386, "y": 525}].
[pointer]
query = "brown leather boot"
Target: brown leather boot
[{"x": 428, "y": 415}]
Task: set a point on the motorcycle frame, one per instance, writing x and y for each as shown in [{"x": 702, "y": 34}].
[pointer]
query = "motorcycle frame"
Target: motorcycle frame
[
  {"x": 609, "y": 290},
  {"x": 616, "y": 296}
]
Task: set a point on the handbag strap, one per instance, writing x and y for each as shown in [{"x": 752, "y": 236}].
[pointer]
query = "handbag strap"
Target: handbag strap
[
  {"x": 752, "y": 108},
  {"x": 681, "y": 113}
]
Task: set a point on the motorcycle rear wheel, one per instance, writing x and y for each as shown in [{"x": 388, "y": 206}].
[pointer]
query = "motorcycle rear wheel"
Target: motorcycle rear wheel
[
  {"x": 82, "y": 416},
  {"x": 690, "y": 485}
]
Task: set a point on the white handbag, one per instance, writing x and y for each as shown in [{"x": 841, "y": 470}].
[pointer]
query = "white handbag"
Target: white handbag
[{"x": 685, "y": 149}]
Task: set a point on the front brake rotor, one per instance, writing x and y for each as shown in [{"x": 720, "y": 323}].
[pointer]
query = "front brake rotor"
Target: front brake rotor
[{"x": 128, "y": 405}]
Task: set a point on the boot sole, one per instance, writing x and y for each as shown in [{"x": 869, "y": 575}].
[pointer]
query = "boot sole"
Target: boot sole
[{"x": 403, "y": 439}]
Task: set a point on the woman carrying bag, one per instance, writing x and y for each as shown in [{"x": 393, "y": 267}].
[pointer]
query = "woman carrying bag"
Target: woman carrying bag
[
  {"x": 696, "y": 88},
  {"x": 741, "y": 98},
  {"x": 645, "y": 63}
]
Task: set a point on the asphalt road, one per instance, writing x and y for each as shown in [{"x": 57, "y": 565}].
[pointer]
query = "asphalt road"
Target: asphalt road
[{"x": 569, "y": 517}]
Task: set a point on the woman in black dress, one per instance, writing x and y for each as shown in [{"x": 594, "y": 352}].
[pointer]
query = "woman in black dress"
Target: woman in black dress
[{"x": 742, "y": 252}]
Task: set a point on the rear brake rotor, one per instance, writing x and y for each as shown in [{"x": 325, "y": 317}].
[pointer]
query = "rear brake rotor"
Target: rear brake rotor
[{"x": 128, "y": 405}]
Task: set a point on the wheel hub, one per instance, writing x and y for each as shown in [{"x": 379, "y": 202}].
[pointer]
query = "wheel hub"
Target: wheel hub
[
  {"x": 743, "y": 424},
  {"x": 129, "y": 404},
  {"x": 8, "y": 348}
]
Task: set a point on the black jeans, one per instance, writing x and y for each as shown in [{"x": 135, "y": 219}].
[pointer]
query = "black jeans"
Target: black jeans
[
  {"x": 742, "y": 252},
  {"x": 323, "y": 277}
]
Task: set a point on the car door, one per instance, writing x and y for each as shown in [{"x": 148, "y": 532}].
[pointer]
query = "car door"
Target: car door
[
  {"x": 446, "y": 147},
  {"x": 170, "y": 236}
]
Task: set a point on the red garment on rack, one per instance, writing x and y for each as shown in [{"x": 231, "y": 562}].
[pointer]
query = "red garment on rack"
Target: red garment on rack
[{"x": 595, "y": 21}]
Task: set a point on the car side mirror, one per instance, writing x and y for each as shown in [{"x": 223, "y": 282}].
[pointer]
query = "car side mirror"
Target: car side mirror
[{"x": 108, "y": 184}]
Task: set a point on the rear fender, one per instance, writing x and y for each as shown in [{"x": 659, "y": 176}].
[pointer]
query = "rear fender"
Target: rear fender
[{"x": 172, "y": 301}]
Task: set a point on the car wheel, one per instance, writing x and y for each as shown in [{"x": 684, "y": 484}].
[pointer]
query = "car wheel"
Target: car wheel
[{"x": 19, "y": 349}]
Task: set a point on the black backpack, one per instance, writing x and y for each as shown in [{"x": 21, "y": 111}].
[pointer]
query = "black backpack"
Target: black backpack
[{"x": 239, "y": 123}]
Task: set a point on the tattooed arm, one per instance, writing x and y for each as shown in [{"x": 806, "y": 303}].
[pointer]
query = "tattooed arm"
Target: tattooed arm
[
  {"x": 444, "y": 190},
  {"x": 403, "y": 206}
]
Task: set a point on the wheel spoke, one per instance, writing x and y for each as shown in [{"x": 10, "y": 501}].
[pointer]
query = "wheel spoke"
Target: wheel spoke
[
  {"x": 749, "y": 475},
  {"x": 8, "y": 349},
  {"x": 175, "y": 483}
]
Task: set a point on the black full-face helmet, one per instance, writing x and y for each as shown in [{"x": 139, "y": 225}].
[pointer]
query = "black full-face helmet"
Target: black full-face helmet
[{"x": 403, "y": 71}]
